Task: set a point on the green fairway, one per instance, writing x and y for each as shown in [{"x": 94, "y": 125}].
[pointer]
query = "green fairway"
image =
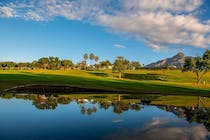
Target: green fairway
[{"x": 141, "y": 81}]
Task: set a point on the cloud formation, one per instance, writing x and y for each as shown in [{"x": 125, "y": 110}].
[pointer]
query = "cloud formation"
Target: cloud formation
[
  {"x": 159, "y": 23},
  {"x": 6, "y": 11},
  {"x": 120, "y": 46}
]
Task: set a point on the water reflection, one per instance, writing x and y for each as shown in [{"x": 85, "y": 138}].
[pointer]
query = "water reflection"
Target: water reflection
[
  {"x": 190, "y": 108},
  {"x": 162, "y": 130}
]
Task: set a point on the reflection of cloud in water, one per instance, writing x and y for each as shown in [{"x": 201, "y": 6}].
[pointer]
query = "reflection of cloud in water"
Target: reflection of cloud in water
[
  {"x": 158, "y": 129},
  {"x": 156, "y": 121},
  {"x": 118, "y": 121}
]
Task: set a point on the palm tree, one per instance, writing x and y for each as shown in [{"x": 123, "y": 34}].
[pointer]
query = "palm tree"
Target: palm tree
[
  {"x": 91, "y": 57},
  {"x": 96, "y": 65},
  {"x": 85, "y": 58},
  {"x": 96, "y": 58}
]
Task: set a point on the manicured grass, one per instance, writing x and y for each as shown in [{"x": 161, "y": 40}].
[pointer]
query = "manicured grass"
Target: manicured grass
[{"x": 141, "y": 81}]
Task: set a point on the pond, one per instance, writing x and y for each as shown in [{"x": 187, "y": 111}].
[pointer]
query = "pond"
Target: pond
[{"x": 103, "y": 117}]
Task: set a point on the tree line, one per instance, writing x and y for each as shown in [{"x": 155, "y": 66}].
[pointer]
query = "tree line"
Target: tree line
[
  {"x": 54, "y": 63},
  {"x": 42, "y": 63}
]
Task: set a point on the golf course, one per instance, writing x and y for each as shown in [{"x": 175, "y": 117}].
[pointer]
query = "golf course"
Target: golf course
[{"x": 140, "y": 81}]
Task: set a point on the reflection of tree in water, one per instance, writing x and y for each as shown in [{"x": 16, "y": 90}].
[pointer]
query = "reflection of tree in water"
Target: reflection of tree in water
[
  {"x": 91, "y": 106},
  {"x": 43, "y": 102},
  {"x": 49, "y": 101},
  {"x": 192, "y": 114},
  {"x": 83, "y": 110},
  {"x": 7, "y": 96},
  {"x": 105, "y": 105},
  {"x": 64, "y": 100},
  {"x": 89, "y": 111},
  {"x": 135, "y": 106},
  {"x": 199, "y": 115},
  {"x": 94, "y": 109},
  {"x": 119, "y": 107}
]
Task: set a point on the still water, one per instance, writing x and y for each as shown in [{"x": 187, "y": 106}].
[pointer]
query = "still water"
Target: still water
[{"x": 104, "y": 117}]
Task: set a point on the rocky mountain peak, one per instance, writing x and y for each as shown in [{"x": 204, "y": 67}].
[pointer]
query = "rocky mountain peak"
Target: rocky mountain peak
[
  {"x": 179, "y": 55},
  {"x": 177, "y": 61}
]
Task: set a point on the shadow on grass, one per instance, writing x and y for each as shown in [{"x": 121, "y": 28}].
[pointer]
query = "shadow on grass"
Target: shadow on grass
[
  {"x": 11, "y": 80},
  {"x": 143, "y": 76},
  {"x": 101, "y": 74}
]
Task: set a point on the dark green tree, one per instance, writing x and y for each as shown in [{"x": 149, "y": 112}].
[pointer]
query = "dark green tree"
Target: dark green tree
[
  {"x": 81, "y": 65},
  {"x": 120, "y": 65},
  {"x": 67, "y": 63},
  {"x": 35, "y": 64},
  {"x": 54, "y": 63},
  {"x": 44, "y": 62},
  {"x": 135, "y": 65},
  {"x": 105, "y": 64},
  {"x": 206, "y": 55},
  {"x": 199, "y": 65},
  {"x": 7, "y": 65}
]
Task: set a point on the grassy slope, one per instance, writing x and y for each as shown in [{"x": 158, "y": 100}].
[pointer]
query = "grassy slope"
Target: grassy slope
[{"x": 142, "y": 81}]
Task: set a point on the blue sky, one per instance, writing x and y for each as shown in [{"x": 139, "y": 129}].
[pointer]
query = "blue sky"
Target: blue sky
[{"x": 138, "y": 30}]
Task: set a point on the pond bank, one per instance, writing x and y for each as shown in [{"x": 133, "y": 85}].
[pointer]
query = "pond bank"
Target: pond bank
[
  {"x": 38, "y": 88},
  {"x": 68, "y": 89}
]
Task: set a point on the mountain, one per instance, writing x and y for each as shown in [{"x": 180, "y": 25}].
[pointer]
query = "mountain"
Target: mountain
[{"x": 176, "y": 61}]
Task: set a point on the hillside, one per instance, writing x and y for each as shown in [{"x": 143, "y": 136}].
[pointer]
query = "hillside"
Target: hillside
[{"x": 176, "y": 61}]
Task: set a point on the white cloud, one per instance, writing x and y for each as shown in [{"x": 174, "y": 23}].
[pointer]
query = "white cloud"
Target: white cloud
[
  {"x": 120, "y": 46},
  {"x": 160, "y": 23},
  {"x": 33, "y": 16},
  {"x": 156, "y": 47},
  {"x": 160, "y": 28},
  {"x": 175, "y": 6},
  {"x": 7, "y": 11}
]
